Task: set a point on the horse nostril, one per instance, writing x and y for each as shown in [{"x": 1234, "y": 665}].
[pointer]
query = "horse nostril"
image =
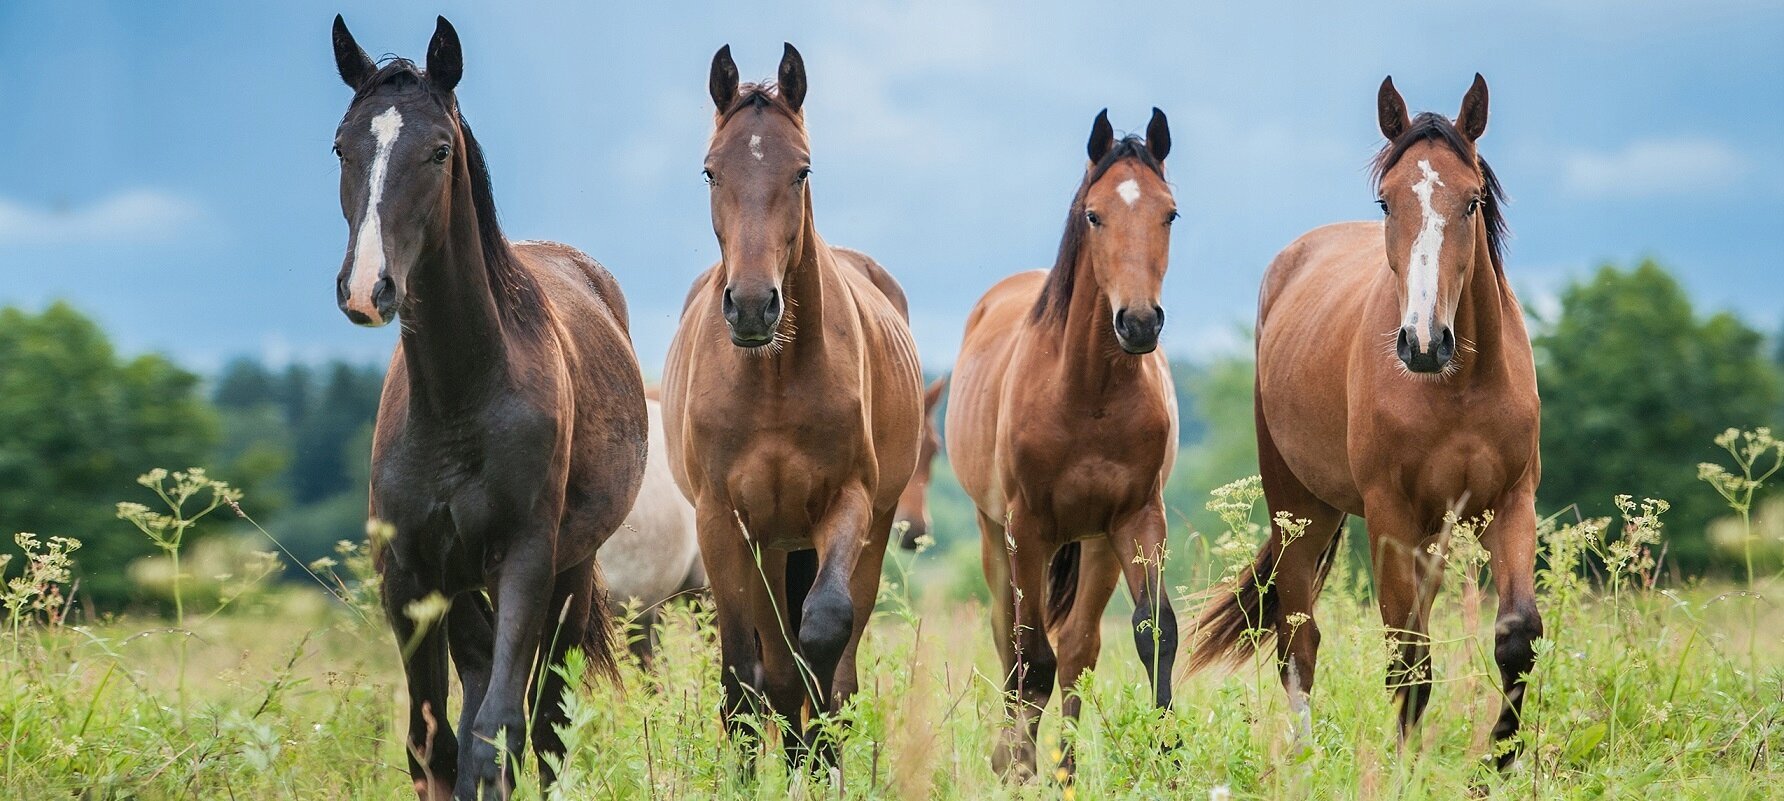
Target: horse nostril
[
  {"x": 730, "y": 306},
  {"x": 1159, "y": 314},
  {"x": 773, "y": 309},
  {"x": 1121, "y": 320},
  {"x": 341, "y": 290},
  {"x": 1403, "y": 345},
  {"x": 1446, "y": 345},
  {"x": 383, "y": 293}
]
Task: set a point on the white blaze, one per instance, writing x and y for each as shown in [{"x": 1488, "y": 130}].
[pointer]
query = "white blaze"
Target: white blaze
[
  {"x": 1129, "y": 190},
  {"x": 1421, "y": 268},
  {"x": 368, "y": 247},
  {"x": 756, "y": 146}
]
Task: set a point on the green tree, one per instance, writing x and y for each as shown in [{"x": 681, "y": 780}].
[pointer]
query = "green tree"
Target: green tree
[
  {"x": 1635, "y": 386},
  {"x": 78, "y": 424}
]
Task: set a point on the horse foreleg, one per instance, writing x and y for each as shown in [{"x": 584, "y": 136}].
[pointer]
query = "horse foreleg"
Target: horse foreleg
[
  {"x": 864, "y": 592},
  {"x": 1078, "y": 638},
  {"x": 1139, "y": 543},
  {"x": 1512, "y": 542},
  {"x": 1034, "y": 667},
  {"x": 1406, "y": 581},
  {"x": 471, "y": 635},
  {"x": 736, "y": 579},
  {"x": 431, "y": 747},
  {"x": 521, "y": 591}
]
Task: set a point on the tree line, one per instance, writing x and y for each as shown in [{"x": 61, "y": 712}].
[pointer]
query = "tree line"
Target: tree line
[{"x": 1635, "y": 383}]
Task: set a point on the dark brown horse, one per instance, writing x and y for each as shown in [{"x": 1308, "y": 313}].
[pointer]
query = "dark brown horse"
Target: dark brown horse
[
  {"x": 511, "y": 435},
  {"x": 1063, "y": 428},
  {"x": 913, "y": 505},
  {"x": 792, "y": 403},
  {"x": 1395, "y": 382}
]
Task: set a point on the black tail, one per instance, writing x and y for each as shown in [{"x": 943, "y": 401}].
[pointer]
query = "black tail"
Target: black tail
[
  {"x": 1246, "y": 605},
  {"x": 1062, "y": 582},
  {"x": 802, "y": 573},
  {"x": 597, "y": 640}
]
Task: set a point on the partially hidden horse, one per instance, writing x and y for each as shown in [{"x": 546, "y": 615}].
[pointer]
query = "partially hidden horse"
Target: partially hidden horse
[
  {"x": 654, "y": 557},
  {"x": 1062, "y": 428},
  {"x": 511, "y": 433},
  {"x": 1395, "y": 382},
  {"x": 792, "y": 401},
  {"x": 913, "y": 504}
]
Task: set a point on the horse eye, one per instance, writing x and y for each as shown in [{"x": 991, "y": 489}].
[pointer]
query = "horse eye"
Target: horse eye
[
  {"x": 339, "y": 154},
  {"x": 1383, "y": 204},
  {"x": 1473, "y": 205},
  {"x": 1092, "y": 218},
  {"x": 442, "y": 153},
  {"x": 804, "y": 173},
  {"x": 1172, "y": 217},
  {"x": 707, "y": 174}
]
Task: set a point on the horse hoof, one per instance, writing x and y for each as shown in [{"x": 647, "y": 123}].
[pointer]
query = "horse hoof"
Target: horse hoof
[{"x": 432, "y": 789}]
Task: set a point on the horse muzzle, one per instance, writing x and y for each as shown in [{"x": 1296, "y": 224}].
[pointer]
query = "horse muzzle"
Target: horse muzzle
[
  {"x": 753, "y": 315},
  {"x": 1137, "y": 329},
  {"x": 1419, "y": 360},
  {"x": 372, "y": 311}
]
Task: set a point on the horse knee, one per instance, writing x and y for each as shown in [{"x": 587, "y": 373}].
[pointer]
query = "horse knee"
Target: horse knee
[{"x": 825, "y": 626}]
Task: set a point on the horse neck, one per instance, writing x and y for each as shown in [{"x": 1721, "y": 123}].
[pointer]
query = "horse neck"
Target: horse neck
[
  {"x": 803, "y": 287},
  {"x": 1480, "y": 317},
  {"x": 1090, "y": 357},
  {"x": 452, "y": 329}
]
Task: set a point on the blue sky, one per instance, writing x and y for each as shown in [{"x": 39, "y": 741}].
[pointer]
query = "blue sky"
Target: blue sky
[{"x": 166, "y": 166}]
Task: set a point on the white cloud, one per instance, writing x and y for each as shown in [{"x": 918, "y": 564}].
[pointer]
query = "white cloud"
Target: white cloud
[
  {"x": 1656, "y": 167},
  {"x": 132, "y": 215}
]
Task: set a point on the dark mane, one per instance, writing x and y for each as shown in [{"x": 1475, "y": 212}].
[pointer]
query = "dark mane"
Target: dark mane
[
  {"x": 508, "y": 281},
  {"x": 763, "y": 95},
  {"x": 1436, "y": 127},
  {"x": 1056, "y": 293}
]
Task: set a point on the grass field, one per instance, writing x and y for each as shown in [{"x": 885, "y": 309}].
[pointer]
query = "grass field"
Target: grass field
[{"x": 1638, "y": 693}]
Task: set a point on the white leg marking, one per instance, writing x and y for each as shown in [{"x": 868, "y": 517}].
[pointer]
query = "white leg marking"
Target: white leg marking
[
  {"x": 368, "y": 247},
  {"x": 1421, "y": 268},
  {"x": 756, "y": 146},
  {"x": 1129, "y": 190}
]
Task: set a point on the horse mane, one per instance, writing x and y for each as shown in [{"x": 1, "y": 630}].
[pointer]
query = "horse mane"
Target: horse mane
[
  {"x": 764, "y": 95},
  {"x": 1056, "y": 292},
  {"x": 508, "y": 281},
  {"x": 1435, "y": 127}
]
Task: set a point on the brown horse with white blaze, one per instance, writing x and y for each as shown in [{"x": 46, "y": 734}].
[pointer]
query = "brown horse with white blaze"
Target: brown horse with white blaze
[
  {"x": 510, "y": 436},
  {"x": 1395, "y": 382},
  {"x": 792, "y": 404},
  {"x": 1063, "y": 427}
]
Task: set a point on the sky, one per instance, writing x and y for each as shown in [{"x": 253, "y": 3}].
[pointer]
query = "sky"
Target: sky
[{"x": 166, "y": 167}]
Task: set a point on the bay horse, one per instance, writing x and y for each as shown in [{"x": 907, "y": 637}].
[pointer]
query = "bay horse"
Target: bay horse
[
  {"x": 913, "y": 504},
  {"x": 1395, "y": 382},
  {"x": 1063, "y": 429},
  {"x": 791, "y": 398},
  {"x": 510, "y": 436}
]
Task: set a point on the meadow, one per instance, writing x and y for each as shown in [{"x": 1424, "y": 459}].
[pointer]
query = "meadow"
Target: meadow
[{"x": 257, "y": 689}]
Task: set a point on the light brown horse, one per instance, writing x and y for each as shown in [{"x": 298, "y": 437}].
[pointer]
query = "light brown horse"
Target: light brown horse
[
  {"x": 1395, "y": 382},
  {"x": 511, "y": 434},
  {"x": 792, "y": 405},
  {"x": 913, "y": 505},
  {"x": 1063, "y": 428}
]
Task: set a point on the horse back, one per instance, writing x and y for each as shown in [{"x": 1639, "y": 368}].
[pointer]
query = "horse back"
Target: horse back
[
  {"x": 877, "y": 275},
  {"x": 976, "y": 387}
]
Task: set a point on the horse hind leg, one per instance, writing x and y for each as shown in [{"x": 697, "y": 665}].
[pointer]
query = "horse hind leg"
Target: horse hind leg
[
  {"x": 573, "y": 622},
  {"x": 1299, "y": 573}
]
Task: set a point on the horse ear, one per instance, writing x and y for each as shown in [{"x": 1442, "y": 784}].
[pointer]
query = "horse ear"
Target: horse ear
[
  {"x": 1158, "y": 135},
  {"x": 1472, "y": 119},
  {"x": 723, "y": 81},
  {"x": 354, "y": 65},
  {"x": 1102, "y": 137},
  {"x": 1391, "y": 108},
  {"x": 792, "y": 77},
  {"x": 445, "y": 59},
  {"x": 933, "y": 394}
]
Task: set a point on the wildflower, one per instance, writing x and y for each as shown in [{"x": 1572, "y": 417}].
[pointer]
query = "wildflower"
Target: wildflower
[
  {"x": 426, "y": 611},
  {"x": 1220, "y": 792}
]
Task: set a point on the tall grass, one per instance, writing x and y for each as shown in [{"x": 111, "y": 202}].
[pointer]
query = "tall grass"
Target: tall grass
[{"x": 1640, "y": 690}]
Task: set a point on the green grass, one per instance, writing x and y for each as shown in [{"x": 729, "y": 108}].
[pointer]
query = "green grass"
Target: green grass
[{"x": 293, "y": 698}]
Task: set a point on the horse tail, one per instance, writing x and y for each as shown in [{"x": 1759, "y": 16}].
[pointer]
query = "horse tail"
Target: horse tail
[
  {"x": 1235, "y": 619},
  {"x": 596, "y": 631},
  {"x": 1062, "y": 581}
]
